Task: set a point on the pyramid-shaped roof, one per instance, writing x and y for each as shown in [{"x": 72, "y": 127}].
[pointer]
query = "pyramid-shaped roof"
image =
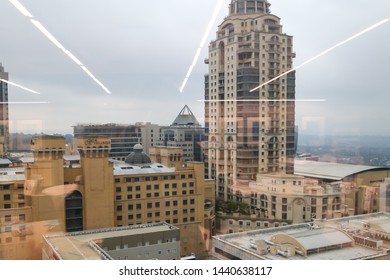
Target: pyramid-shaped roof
[{"x": 185, "y": 118}]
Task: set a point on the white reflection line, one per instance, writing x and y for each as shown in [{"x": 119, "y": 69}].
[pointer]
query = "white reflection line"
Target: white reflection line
[
  {"x": 204, "y": 38},
  {"x": 265, "y": 100},
  {"x": 19, "y": 86},
  {"x": 325, "y": 52},
  {"x": 25, "y": 102},
  {"x": 21, "y": 8},
  {"x": 45, "y": 32}
]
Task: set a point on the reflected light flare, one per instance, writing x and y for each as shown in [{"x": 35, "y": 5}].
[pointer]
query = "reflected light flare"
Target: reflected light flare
[
  {"x": 25, "y": 102},
  {"x": 217, "y": 9},
  {"x": 325, "y": 52},
  {"x": 265, "y": 100},
  {"x": 45, "y": 32},
  {"x": 19, "y": 86}
]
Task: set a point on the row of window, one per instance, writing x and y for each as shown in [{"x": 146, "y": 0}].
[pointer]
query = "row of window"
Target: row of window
[
  {"x": 10, "y": 239},
  {"x": 10, "y": 228},
  {"x": 257, "y": 223},
  {"x": 148, "y": 254},
  {"x": 157, "y": 214},
  {"x": 149, "y": 205},
  {"x": 154, "y": 178},
  {"x": 8, "y": 206},
  {"x": 8, "y": 218},
  {"x": 8, "y": 187},
  {"x": 150, "y": 195},
  {"x": 7, "y": 197},
  {"x": 155, "y": 187},
  {"x": 139, "y": 217}
]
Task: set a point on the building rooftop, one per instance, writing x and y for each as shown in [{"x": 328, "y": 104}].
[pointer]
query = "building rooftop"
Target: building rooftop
[
  {"x": 81, "y": 245},
  {"x": 123, "y": 168},
  {"x": 5, "y": 161},
  {"x": 336, "y": 239},
  {"x": 378, "y": 222},
  {"x": 329, "y": 170},
  {"x": 185, "y": 118},
  {"x": 137, "y": 157},
  {"x": 12, "y": 174},
  {"x": 239, "y": 7},
  {"x": 72, "y": 157}
]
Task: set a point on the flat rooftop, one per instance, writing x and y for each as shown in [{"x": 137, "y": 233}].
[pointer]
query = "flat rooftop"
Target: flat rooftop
[
  {"x": 81, "y": 246},
  {"x": 122, "y": 168},
  {"x": 375, "y": 222},
  {"x": 330, "y": 170},
  {"x": 12, "y": 174},
  {"x": 328, "y": 240}
]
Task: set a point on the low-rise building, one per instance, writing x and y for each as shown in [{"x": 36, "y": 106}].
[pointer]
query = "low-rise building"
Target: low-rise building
[
  {"x": 357, "y": 237},
  {"x": 318, "y": 190},
  {"x": 139, "y": 242},
  {"x": 279, "y": 199},
  {"x": 361, "y": 182},
  {"x": 89, "y": 191}
]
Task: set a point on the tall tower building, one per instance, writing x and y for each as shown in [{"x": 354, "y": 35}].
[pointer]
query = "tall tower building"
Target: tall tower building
[
  {"x": 4, "y": 119},
  {"x": 250, "y": 131}
]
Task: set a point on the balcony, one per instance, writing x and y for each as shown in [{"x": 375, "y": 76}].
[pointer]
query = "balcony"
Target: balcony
[
  {"x": 245, "y": 49},
  {"x": 273, "y": 50},
  {"x": 274, "y": 42}
]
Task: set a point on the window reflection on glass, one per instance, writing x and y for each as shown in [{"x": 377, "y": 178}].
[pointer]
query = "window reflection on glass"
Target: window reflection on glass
[{"x": 253, "y": 115}]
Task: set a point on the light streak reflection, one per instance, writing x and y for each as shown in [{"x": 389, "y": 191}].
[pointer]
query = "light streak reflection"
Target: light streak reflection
[
  {"x": 325, "y": 52},
  {"x": 45, "y": 32},
  {"x": 217, "y": 9}
]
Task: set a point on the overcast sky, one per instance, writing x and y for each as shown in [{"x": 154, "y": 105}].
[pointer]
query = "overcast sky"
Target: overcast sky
[{"x": 141, "y": 51}]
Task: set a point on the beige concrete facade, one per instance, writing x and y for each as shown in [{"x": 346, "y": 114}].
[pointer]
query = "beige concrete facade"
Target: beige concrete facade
[
  {"x": 97, "y": 180},
  {"x": 362, "y": 183},
  {"x": 248, "y": 136},
  {"x": 168, "y": 156},
  {"x": 22, "y": 240},
  {"x": 176, "y": 197},
  {"x": 97, "y": 192},
  {"x": 278, "y": 200}
]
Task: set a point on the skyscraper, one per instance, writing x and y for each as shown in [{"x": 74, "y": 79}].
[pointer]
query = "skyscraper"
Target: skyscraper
[
  {"x": 4, "y": 119},
  {"x": 249, "y": 131}
]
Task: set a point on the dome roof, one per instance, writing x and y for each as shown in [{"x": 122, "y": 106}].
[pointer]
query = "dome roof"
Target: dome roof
[
  {"x": 138, "y": 147},
  {"x": 137, "y": 156}
]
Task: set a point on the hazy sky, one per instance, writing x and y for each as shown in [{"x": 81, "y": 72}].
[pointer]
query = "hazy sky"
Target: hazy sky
[{"x": 141, "y": 51}]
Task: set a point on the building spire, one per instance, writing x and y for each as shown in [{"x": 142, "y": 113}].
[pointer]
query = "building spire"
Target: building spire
[{"x": 185, "y": 117}]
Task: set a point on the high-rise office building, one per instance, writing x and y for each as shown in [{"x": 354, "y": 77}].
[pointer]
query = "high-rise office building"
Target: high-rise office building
[
  {"x": 250, "y": 130},
  {"x": 4, "y": 118},
  {"x": 123, "y": 137},
  {"x": 185, "y": 132}
]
